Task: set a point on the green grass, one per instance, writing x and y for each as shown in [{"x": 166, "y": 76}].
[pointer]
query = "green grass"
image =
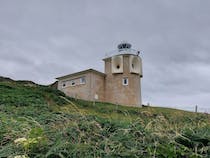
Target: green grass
[{"x": 38, "y": 121}]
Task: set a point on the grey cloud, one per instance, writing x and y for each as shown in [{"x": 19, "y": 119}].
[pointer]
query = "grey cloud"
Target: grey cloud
[{"x": 41, "y": 40}]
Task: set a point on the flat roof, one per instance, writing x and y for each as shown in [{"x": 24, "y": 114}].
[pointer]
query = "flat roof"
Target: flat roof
[
  {"x": 124, "y": 54},
  {"x": 80, "y": 73}
]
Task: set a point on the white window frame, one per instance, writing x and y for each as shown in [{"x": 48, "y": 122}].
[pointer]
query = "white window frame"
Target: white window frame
[
  {"x": 82, "y": 80},
  {"x": 123, "y": 81},
  {"x": 71, "y": 83},
  {"x": 63, "y": 84}
]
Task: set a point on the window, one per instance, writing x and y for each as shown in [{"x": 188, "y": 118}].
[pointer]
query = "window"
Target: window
[
  {"x": 64, "y": 84},
  {"x": 82, "y": 80},
  {"x": 125, "y": 81},
  {"x": 73, "y": 83},
  {"x": 133, "y": 66}
]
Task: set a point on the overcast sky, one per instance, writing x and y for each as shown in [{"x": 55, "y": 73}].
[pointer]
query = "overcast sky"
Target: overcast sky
[{"x": 44, "y": 39}]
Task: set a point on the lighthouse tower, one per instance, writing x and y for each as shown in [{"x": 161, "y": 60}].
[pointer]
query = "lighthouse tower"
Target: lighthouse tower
[{"x": 123, "y": 76}]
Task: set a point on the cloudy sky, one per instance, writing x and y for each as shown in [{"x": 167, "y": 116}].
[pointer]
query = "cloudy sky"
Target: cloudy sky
[{"x": 44, "y": 39}]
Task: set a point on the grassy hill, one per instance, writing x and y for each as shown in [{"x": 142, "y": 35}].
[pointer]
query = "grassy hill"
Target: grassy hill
[{"x": 39, "y": 121}]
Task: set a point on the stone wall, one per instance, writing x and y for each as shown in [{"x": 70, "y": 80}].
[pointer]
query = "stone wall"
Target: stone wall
[
  {"x": 92, "y": 89},
  {"x": 115, "y": 91}
]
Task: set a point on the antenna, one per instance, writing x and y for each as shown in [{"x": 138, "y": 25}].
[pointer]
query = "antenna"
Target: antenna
[{"x": 138, "y": 52}]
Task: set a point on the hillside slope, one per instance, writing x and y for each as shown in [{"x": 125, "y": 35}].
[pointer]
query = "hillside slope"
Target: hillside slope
[{"x": 38, "y": 121}]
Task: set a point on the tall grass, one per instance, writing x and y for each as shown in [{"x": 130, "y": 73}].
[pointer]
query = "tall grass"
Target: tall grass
[{"x": 42, "y": 122}]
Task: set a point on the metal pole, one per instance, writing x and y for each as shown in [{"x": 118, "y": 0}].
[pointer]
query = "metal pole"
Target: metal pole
[{"x": 196, "y": 108}]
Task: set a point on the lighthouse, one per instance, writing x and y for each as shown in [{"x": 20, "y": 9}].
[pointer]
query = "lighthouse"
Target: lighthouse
[
  {"x": 123, "y": 76},
  {"x": 120, "y": 83}
]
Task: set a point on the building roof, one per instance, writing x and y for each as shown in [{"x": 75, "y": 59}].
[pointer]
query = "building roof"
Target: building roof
[
  {"x": 124, "y": 54},
  {"x": 80, "y": 73}
]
